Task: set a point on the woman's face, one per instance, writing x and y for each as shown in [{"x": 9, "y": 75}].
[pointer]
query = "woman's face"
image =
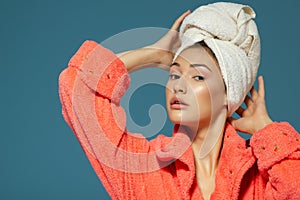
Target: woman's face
[{"x": 195, "y": 89}]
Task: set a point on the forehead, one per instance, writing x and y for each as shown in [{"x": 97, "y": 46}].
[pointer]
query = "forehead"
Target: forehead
[{"x": 198, "y": 54}]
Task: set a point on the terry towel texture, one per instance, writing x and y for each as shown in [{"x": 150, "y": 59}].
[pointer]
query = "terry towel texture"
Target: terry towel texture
[{"x": 229, "y": 31}]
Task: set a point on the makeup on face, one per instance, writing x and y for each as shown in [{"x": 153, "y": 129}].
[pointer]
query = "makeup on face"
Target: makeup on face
[{"x": 194, "y": 82}]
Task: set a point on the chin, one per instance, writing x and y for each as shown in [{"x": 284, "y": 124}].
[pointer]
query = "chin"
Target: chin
[
  {"x": 184, "y": 122},
  {"x": 175, "y": 121},
  {"x": 184, "y": 117},
  {"x": 175, "y": 116}
]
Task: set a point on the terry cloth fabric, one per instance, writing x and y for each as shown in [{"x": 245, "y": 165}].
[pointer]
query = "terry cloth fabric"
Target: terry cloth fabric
[
  {"x": 232, "y": 35},
  {"x": 265, "y": 168}
]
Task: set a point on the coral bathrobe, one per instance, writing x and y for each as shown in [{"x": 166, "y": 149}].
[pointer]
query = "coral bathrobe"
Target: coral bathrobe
[{"x": 265, "y": 167}]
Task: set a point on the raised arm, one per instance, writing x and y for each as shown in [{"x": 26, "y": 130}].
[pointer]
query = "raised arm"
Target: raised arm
[
  {"x": 275, "y": 145},
  {"x": 90, "y": 89}
]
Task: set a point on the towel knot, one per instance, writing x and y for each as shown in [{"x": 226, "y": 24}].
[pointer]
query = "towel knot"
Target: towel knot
[{"x": 224, "y": 21}]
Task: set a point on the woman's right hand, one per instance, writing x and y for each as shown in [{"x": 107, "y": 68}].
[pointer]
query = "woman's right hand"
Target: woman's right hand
[
  {"x": 169, "y": 43},
  {"x": 161, "y": 52}
]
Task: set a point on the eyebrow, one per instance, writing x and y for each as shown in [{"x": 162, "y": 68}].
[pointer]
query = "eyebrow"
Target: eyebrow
[{"x": 192, "y": 65}]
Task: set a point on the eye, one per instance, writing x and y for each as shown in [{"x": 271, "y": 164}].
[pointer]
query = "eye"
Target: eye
[
  {"x": 174, "y": 76},
  {"x": 198, "y": 78}
]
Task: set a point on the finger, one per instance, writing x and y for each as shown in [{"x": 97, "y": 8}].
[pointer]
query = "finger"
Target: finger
[
  {"x": 261, "y": 87},
  {"x": 248, "y": 101},
  {"x": 178, "y": 21},
  {"x": 253, "y": 93},
  {"x": 240, "y": 111},
  {"x": 233, "y": 122}
]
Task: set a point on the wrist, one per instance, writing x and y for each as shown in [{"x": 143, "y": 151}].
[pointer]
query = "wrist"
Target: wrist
[{"x": 263, "y": 123}]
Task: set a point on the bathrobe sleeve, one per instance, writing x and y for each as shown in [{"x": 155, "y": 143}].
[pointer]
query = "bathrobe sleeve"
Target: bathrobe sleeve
[
  {"x": 277, "y": 149},
  {"x": 90, "y": 89}
]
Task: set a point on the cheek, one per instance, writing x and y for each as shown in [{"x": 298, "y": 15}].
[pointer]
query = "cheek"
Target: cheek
[
  {"x": 202, "y": 100},
  {"x": 168, "y": 91},
  {"x": 217, "y": 95},
  {"x": 217, "y": 92},
  {"x": 202, "y": 94}
]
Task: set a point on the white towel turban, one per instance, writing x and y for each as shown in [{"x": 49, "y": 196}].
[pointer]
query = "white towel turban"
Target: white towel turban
[{"x": 229, "y": 31}]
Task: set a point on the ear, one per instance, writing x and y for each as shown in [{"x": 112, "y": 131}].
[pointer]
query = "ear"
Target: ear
[
  {"x": 225, "y": 100},
  {"x": 226, "y": 95},
  {"x": 225, "y": 103}
]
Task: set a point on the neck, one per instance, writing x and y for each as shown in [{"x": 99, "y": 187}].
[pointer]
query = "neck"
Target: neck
[
  {"x": 207, "y": 146},
  {"x": 208, "y": 139}
]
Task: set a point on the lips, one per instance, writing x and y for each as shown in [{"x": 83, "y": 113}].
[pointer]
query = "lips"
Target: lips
[{"x": 177, "y": 103}]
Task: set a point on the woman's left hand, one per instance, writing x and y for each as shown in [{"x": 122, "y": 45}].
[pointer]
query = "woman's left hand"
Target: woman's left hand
[{"x": 255, "y": 116}]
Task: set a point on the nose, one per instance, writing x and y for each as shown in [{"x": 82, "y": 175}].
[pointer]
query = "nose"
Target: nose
[{"x": 180, "y": 86}]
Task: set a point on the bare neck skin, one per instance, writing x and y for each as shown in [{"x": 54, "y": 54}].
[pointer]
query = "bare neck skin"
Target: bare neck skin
[{"x": 207, "y": 166}]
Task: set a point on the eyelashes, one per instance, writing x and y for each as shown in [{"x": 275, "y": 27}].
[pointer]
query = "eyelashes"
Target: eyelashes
[
  {"x": 198, "y": 78},
  {"x": 176, "y": 76}
]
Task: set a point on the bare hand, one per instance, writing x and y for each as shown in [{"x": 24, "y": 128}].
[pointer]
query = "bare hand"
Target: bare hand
[
  {"x": 161, "y": 52},
  {"x": 169, "y": 43},
  {"x": 255, "y": 116}
]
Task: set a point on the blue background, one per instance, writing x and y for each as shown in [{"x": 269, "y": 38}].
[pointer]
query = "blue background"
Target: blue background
[{"x": 40, "y": 156}]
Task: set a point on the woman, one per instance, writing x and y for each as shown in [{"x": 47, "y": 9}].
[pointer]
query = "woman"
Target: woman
[{"x": 210, "y": 76}]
